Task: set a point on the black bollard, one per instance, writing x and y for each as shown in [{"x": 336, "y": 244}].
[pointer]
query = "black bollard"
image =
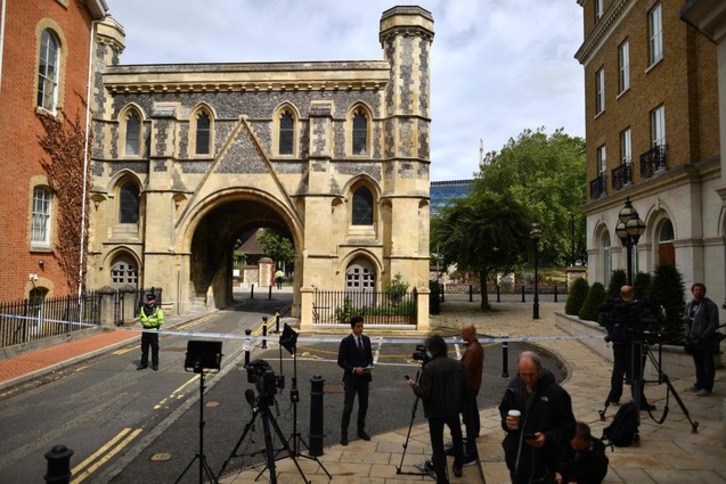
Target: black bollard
[
  {"x": 277, "y": 321},
  {"x": 499, "y": 296},
  {"x": 269, "y": 296},
  {"x": 248, "y": 345},
  {"x": 471, "y": 293},
  {"x": 59, "y": 464},
  {"x": 252, "y": 291},
  {"x": 264, "y": 332},
  {"x": 443, "y": 295},
  {"x": 555, "y": 293},
  {"x": 523, "y": 293},
  {"x": 317, "y": 384},
  {"x": 505, "y": 359}
]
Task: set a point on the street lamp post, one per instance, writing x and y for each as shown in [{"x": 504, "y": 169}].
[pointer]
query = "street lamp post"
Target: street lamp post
[
  {"x": 535, "y": 235},
  {"x": 629, "y": 229}
]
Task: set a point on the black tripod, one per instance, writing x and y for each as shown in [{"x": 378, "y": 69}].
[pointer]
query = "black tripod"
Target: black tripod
[
  {"x": 202, "y": 355},
  {"x": 295, "y": 398},
  {"x": 408, "y": 436},
  {"x": 261, "y": 406}
]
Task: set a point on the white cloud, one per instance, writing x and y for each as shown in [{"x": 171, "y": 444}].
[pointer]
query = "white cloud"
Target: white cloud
[{"x": 498, "y": 66}]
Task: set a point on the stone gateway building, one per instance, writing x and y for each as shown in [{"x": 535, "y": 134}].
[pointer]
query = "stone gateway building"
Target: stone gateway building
[{"x": 189, "y": 157}]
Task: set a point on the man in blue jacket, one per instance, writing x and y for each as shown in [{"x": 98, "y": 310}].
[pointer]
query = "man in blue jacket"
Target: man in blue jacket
[{"x": 546, "y": 424}]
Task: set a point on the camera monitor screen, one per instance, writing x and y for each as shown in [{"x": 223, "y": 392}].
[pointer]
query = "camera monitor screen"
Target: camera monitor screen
[{"x": 203, "y": 355}]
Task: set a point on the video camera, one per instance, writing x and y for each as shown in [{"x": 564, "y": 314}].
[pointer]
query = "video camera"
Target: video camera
[
  {"x": 421, "y": 355},
  {"x": 642, "y": 314},
  {"x": 261, "y": 374}
]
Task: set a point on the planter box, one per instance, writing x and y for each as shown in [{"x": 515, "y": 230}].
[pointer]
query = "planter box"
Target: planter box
[{"x": 675, "y": 362}]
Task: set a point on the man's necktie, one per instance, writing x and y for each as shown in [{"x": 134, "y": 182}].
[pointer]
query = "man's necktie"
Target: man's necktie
[{"x": 360, "y": 345}]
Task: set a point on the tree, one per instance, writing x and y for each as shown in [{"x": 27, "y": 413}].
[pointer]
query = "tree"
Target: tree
[
  {"x": 595, "y": 297},
  {"x": 546, "y": 174},
  {"x": 276, "y": 246},
  {"x": 668, "y": 290},
  {"x": 578, "y": 293},
  {"x": 642, "y": 286},
  {"x": 481, "y": 233},
  {"x": 618, "y": 279}
]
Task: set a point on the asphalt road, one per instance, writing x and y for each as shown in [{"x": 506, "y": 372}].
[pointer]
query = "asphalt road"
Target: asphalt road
[{"x": 142, "y": 426}]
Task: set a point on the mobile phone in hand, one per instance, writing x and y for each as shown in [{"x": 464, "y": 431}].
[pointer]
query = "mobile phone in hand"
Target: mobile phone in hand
[{"x": 529, "y": 436}]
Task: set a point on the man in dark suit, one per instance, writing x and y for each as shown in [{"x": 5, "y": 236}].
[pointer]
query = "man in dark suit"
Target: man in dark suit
[{"x": 356, "y": 359}]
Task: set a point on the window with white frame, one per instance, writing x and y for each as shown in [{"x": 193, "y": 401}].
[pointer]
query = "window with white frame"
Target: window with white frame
[
  {"x": 48, "y": 71},
  {"x": 658, "y": 126},
  {"x": 40, "y": 233},
  {"x": 600, "y": 91},
  {"x": 626, "y": 147},
  {"x": 599, "y": 7},
  {"x": 624, "y": 61},
  {"x": 133, "y": 134},
  {"x": 602, "y": 164},
  {"x": 655, "y": 33}
]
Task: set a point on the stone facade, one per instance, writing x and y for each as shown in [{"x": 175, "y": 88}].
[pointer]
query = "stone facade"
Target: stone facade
[
  {"x": 672, "y": 182},
  {"x": 283, "y": 153}
]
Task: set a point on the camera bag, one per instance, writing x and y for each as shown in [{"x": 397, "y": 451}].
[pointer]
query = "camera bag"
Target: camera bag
[{"x": 621, "y": 431}]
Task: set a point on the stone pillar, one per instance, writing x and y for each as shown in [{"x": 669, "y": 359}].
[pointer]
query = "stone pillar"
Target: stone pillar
[
  {"x": 128, "y": 296},
  {"x": 106, "y": 312},
  {"x": 422, "y": 308},
  {"x": 306, "y": 308}
]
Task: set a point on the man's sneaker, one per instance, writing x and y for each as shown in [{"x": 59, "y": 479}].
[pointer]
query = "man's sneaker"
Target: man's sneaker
[
  {"x": 702, "y": 392},
  {"x": 693, "y": 389},
  {"x": 469, "y": 460},
  {"x": 426, "y": 467}
]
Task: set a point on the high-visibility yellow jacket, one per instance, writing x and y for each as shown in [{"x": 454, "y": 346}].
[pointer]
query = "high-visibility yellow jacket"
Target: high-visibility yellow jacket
[{"x": 153, "y": 320}]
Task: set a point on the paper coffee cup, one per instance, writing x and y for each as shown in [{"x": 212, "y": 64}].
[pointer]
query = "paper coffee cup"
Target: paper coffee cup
[{"x": 517, "y": 415}]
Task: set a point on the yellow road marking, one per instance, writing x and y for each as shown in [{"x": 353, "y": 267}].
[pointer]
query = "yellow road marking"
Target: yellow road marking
[
  {"x": 175, "y": 392},
  {"x": 106, "y": 457},
  {"x": 123, "y": 350}
]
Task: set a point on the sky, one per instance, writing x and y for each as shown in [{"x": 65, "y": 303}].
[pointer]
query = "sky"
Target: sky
[{"x": 498, "y": 67}]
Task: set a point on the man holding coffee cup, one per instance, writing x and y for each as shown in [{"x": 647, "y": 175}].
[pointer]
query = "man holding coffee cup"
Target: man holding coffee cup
[{"x": 537, "y": 417}]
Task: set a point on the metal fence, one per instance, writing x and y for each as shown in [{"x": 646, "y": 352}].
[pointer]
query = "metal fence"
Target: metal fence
[
  {"x": 139, "y": 299},
  {"x": 378, "y": 308},
  {"x": 33, "y": 319}
]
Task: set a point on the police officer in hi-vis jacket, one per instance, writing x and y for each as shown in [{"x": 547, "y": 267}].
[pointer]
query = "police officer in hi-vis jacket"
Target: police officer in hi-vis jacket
[{"x": 151, "y": 319}]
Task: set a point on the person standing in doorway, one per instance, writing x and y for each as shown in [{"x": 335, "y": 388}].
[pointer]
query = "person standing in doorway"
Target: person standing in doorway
[
  {"x": 151, "y": 319},
  {"x": 355, "y": 357}
]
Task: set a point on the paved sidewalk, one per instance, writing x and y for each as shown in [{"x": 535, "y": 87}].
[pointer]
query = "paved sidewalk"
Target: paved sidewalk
[{"x": 669, "y": 453}]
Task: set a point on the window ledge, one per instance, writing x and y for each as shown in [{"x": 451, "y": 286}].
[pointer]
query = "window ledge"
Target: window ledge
[
  {"x": 622, "y": 93},
  {"x": 44, "y": 112},
  {"x": 599, "y": 114},
  {"x": 653, "y": 65},
  {"x": 41, "y": 247}
]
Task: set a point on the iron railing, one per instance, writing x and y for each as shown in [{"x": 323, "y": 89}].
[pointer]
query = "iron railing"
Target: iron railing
[
  {"x": 622, "y": 176},
  {"x": 34, "y": 319},
  {"x": 653, "y": 161},
  {"x": 377, "y": 308},
  {"x": 598, "y": 187},
  {"x": 119, "y": 302}
]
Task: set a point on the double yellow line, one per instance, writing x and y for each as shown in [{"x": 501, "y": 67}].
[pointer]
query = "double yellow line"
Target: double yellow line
[{"x": 103, "y": 455}]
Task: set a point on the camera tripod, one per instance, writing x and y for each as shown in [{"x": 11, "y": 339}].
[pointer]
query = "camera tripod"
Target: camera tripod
[
  {"x": 640, "y": 352},
  {"x": 261, "y": 406},
  {"x": 408, "y": 436}
]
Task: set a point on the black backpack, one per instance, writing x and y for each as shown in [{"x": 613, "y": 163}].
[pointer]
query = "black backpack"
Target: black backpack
[{"x": 621, "y": 431}]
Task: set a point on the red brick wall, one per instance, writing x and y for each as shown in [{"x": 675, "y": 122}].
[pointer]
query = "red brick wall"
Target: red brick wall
[{"x": 20, "y": 128}]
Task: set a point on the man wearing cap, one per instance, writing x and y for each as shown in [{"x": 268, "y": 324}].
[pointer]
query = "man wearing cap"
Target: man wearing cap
[{"x": 151, "y": 319}]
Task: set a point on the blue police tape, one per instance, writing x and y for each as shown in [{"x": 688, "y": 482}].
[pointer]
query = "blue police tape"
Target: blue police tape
[{"x": 306, "y": 339}]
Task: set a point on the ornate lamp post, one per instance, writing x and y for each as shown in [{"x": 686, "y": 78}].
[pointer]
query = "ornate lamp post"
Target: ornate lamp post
[
  {"x": 535, "y": 235},
  {"x": 629, "y": 229}
]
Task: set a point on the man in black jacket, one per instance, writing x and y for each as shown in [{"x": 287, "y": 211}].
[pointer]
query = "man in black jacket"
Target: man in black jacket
[
  {"x": 355, "y": 357},
  {"x": 442, "y": 388},
  {"x": 702, "y": 318},
  {"x": 582, "y": 461},
  {"x": 546, "y": 424}
]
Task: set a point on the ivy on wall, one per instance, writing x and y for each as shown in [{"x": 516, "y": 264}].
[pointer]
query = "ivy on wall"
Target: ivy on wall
[{"x": 64, "y": 142}]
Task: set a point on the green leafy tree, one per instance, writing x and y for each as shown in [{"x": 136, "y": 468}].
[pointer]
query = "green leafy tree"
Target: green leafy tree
[
  {"x": 482, "y": 233},
  {"x": 397, "y": 289},
  {"x": 595, "y": 297},
  {"x": 618, "y": 279},
  {"x": 546, "y": 174},
  {"x": 668, "y": 290},
  {"x": 578, "y": 293},
  {"x": 278, "y": 247}
]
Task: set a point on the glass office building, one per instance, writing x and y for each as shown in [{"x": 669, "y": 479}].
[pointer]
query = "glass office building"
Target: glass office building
[{"x": 442, "y": 192}]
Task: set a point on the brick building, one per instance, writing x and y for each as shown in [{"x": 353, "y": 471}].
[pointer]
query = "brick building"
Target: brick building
[
  {"x": 45, "y": 47},
  {"x": 652, "y": 131}
]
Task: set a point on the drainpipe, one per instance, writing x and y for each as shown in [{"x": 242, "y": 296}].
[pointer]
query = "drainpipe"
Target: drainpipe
[
  {"x": 2, "y": 37},
  {"x": 84, "y": 205}
]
